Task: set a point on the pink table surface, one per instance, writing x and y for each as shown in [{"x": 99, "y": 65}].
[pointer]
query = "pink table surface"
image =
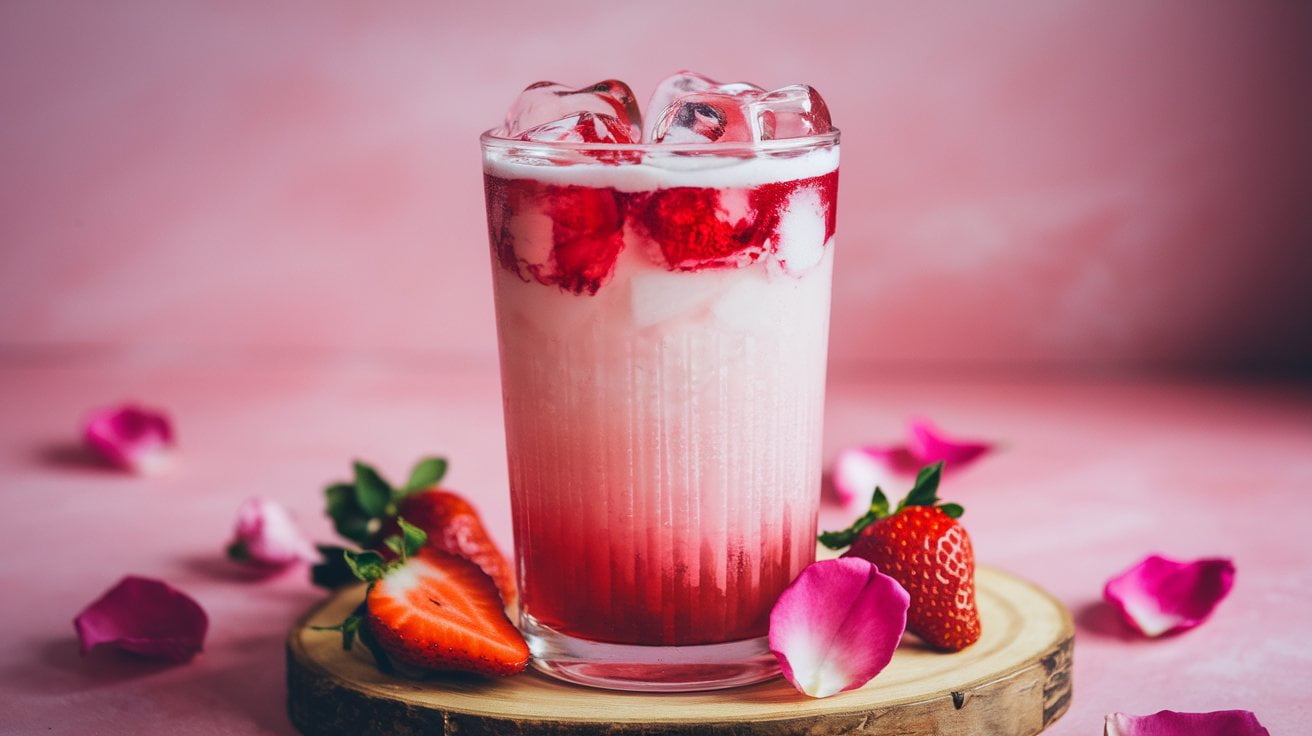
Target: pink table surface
[{"x": 1096, "y": 473}]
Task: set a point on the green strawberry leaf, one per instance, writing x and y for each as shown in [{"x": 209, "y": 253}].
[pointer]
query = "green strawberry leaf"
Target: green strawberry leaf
[
  {"x": 925, "y": 491},
  {"x": 238, "y": 552},
  {"x": 953, "y": 510},
  {"x": 350, "y": 627},
  {"x": 349, "y": 519},
  {"x": 413, "y": 537},
  {"x": 372, "y": 493},
  {"x": 845, "y": 537},
  {"x": 395, "y": 544},
  {"x": 408, "y": 543},
  {"x": 879, "y": 503},
  {"x": 426, "y": 474},
  {"x": 367, "y": 566},
  {"x": 333, "y": 572}
]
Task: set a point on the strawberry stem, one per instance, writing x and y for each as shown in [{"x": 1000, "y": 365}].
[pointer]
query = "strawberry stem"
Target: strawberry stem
[
  {"x": 370, "y": 567},
  {"x": 923, "y": 493},
  {"x": 925, "y": 490}
]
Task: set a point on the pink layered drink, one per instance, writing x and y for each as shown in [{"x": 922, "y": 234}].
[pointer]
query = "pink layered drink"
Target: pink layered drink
[{"x": 663, "y": 318}]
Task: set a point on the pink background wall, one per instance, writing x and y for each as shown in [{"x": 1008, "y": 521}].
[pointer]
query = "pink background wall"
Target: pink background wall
[{"x": 1057, "y": 183}]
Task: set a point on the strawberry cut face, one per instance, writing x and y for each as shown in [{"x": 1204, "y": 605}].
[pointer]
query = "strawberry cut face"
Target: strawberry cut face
[
  {"x": 441, "y": 612},
  {"x": 453, "y": 526}
]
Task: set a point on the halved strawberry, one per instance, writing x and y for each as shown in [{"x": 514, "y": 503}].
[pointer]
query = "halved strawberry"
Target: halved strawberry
[
  {"x": 367, "y": 510},
  {"x": 453, "y": 526},
  {"x": 438, "y": 611},
  {"x": 921, "y": 545},
  {"x": 428, "y": 610}
]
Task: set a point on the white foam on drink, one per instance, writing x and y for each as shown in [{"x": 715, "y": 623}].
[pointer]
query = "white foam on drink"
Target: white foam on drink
[{"x": 661, "y": 170}]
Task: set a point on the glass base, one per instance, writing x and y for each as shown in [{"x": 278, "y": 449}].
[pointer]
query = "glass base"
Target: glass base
[{"x": 659, "y": 669}]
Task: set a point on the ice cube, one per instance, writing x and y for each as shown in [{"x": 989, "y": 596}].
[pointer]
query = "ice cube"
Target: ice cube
[
  {"x": 796, "y": 111},
  {"x": 704, "y": 117},
  {"x": 583, "y": 127},
  {"x": 545, "y": 102},
  {"x": 658, "y": 296},
  {"x": 749, "y": 302},
  {"x": 800, "y": 234},
  {"x": 684, "y": 83}
]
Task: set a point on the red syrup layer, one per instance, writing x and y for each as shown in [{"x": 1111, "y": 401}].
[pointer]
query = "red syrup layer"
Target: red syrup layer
[{"x": 692, "y": 228}]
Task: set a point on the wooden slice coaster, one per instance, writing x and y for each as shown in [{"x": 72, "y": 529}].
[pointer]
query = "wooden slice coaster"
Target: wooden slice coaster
[{"x": 1014, "y": 682}]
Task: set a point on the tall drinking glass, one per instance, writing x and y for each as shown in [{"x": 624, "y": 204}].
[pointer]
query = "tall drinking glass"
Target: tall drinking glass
[{"x": 663, "y": 314}]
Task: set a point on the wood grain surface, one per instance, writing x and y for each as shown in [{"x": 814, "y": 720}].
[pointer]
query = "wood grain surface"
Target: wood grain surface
[{"x": 1013, "y": 682}]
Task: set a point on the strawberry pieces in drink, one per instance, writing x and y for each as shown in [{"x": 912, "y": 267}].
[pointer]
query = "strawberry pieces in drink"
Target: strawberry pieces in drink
[
  {"x": 571, "y": 236},
  {"x": 697, "y": 227},
  {"x": 562, "y": 235},
  {"x": 922, "y": 546},
  {"x": 437, "y": 611}
]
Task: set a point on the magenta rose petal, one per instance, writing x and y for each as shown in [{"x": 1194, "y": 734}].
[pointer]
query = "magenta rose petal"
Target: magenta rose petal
[
  {"x": 146, "y": 617},
  {"x": 131, "y": 437},
  {"x": 1170, "y": 723},
  {"x": 266, "y": 537},
  {"x": 929, "y": 446},
  {"x": 836, "y": 626},
  {"x": 1163, "y": 596}
]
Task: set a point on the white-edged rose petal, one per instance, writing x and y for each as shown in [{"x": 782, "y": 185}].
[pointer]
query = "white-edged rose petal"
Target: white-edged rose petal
[
  {"x": 1163, "y": 596},
  {"x": 837, "y": 625},
  {"x": 132, "y": 437},
  {"x": 265, "y": 536}
]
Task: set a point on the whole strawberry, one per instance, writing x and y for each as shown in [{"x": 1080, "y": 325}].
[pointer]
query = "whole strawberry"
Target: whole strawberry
[{"x": 921, "y": 545}]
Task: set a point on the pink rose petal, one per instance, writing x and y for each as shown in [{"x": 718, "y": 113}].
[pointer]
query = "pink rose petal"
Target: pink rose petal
[
  {"x": 1170, "y": 723},
  {"x": 131, "y": 437},
  {"x": 928, "y": 447},
  {"x": 857, "y": 470},
  {"x": 1163, "y": 596},
  {"x": 265, "y": 536},
  {"x": 146, "y": 617},
  {"x": 836, "y": 626}
]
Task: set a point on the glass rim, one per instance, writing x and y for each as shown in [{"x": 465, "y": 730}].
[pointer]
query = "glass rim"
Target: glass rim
[{"x": 490, "y": 141}]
